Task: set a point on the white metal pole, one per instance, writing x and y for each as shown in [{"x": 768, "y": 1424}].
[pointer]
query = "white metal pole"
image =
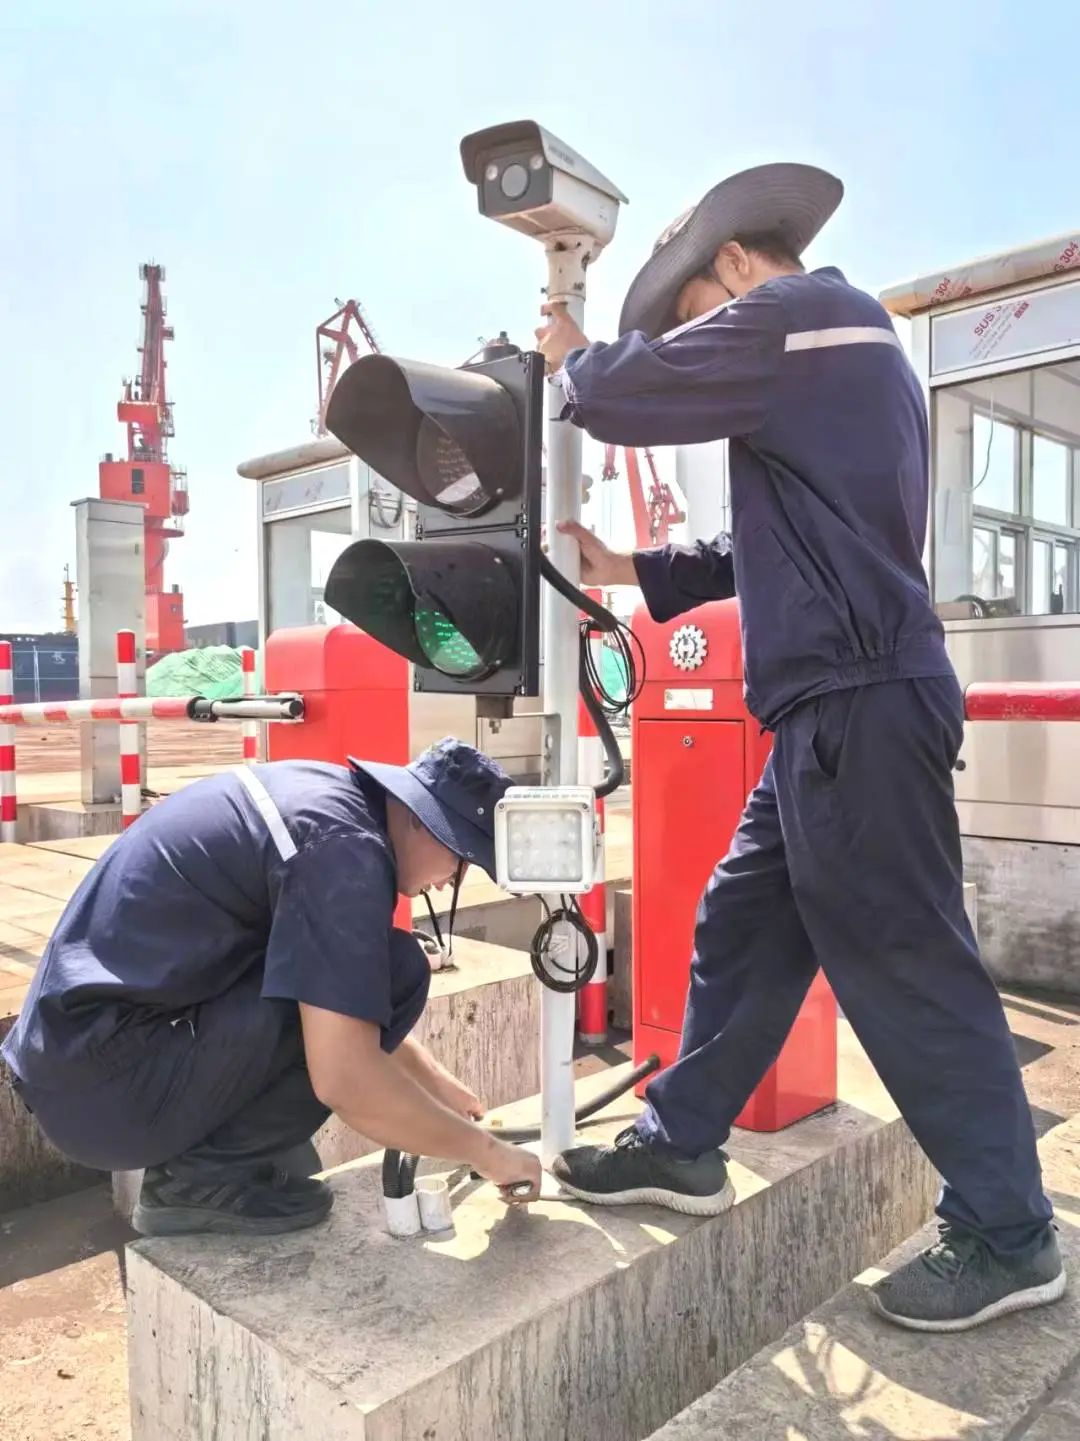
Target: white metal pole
[{"x": 567, "y": 257}]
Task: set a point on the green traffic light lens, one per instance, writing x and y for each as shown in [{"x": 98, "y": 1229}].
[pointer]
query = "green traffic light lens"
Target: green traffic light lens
[{"x": 443, "y": 644}]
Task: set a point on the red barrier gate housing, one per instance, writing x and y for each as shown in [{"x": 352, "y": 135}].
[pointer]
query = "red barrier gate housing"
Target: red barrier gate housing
[{"x": 356, "y": 701}]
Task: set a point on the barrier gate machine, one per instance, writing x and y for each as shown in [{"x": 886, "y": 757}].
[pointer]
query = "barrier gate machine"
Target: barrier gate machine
[{"x": 697, "y": 755}]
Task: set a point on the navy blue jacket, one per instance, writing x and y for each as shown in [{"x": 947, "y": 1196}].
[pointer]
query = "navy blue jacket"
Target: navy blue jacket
[
  {"x": 285, "y": 868},
  {"x": 829, "y": 469}
]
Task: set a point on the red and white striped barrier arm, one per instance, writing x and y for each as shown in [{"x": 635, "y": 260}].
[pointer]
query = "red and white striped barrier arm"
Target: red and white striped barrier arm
[
  {"x": 130, "y": 765},
  {"x": 1023, "y": 701},
  {"x": 250, "y": 728},
  {"x": 288, "y": 708},
  {"x": 593, "y": 999},
  {"x": 8, "y": 803}
]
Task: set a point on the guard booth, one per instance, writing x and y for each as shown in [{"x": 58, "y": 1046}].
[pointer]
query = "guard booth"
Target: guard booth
[
  {"x": 313, "y": 501},
  {"x": 996, "y": 344}
]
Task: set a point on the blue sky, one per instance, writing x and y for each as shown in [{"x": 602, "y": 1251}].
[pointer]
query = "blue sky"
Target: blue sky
[{"x": 272, "y": 156}]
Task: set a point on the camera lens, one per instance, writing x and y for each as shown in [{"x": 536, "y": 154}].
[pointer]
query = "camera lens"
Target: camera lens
[{"x": 515, "y": 182}]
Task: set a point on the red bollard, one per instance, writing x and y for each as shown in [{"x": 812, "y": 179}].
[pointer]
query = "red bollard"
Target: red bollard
[
  {"x": 130, "y": 760},
  {"x": 250, "y": 728},
  {"x": 697, "y": 754},
  {"x": 593, "y": 998},
  {"x": 8, "y": 803}
]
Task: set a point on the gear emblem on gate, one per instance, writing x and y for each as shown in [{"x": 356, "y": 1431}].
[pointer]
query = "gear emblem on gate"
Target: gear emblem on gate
[{"x": 688, "y": 647}]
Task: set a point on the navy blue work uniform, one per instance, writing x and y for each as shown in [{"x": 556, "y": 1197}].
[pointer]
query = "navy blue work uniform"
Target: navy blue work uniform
[
  {"x": 162, "y": 1024},
  {"x": 848, "y": 854}
]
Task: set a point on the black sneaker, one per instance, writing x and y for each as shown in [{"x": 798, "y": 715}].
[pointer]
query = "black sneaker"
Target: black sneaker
[
  {"x": 633, "y": 1172},
  {"x": 264, "y": 1205},
  {"x": 960, "y": 1283}
]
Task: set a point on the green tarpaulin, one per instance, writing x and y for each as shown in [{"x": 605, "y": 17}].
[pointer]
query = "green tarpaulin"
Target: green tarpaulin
[{"x": 212, "y": 671}]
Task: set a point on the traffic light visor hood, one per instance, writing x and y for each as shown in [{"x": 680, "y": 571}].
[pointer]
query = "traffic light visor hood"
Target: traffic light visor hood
[
  {"x": 448, "y": 438},
  {"x": 451, "y": 606}
]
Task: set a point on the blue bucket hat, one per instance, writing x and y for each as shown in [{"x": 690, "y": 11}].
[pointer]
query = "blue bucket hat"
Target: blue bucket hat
[{"x": 452, "y": 790}]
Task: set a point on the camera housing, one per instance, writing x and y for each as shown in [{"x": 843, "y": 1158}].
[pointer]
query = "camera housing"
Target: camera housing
[{"x": 530, "y": 180}]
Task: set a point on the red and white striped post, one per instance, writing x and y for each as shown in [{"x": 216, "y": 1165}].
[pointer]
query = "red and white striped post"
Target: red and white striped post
[
  {"x": 592, "y": 999},
  {"x": 8, "y": 803},
  {"x": 130, "y": 765},
  {"x": 250, "y": 728}
]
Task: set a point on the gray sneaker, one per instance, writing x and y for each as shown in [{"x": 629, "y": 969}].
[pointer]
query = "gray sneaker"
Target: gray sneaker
[
  {"x": 960, "y": 1283},
  {"x": 633, "y": 1172}
]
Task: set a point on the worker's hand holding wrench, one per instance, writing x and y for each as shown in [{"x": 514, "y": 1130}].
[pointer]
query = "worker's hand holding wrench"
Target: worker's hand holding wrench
[{"x": 515, "y": 1171}]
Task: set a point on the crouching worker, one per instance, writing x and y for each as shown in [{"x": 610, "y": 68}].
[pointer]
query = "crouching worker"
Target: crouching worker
[{"x": 228, "y": 974}]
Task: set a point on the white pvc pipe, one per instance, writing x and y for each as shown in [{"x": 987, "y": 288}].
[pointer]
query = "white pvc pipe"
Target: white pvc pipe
[
  {"x": 433, "y": 1194},
  {"x": 402, "y": 1215}
]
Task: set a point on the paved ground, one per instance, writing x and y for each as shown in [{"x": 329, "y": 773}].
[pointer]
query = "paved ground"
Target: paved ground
[
  {"x": 55, "y": 749},
  {"x": 62, "y": 1340}
]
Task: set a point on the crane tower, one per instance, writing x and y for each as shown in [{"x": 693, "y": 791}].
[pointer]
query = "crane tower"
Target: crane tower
[{"x": 146, "y": 476}]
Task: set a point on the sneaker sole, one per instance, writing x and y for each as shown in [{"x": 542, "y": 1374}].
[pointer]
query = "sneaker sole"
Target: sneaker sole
[
  {"x": 191, "y": 1221},
  {"x": 1018, "y": 1301},
  {"x": 713, "y": 1205}
]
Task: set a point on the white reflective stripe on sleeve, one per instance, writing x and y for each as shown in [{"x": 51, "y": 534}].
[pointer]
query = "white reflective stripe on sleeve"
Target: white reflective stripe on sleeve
[
  {"x": 286, "y": 846},
  {"x": 841, "y": 335}
]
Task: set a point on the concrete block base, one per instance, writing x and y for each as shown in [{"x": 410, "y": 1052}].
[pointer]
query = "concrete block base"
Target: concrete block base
[
  {"x": 1030, "y": 924},
  {"x": 842, "y": 1372},
  {"x": 481, "y": 1022},
  {"x": 562, "y": 1321},
  {"x": 31, "y": 1168},
  {"x": 66, "y": 820}
]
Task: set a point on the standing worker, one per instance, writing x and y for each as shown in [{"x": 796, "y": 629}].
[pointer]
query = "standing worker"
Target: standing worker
[
  {"x": 229, "y": 973},
  {"x": 848, "y": 852}
]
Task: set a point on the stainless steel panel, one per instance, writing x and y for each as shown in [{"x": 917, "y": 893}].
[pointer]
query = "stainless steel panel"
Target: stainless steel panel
[
  {"x": 1021, "y": 780},
  {"x": 1042, "y": 320},
  {"x": 110, "y": 573},
  {"x": 515, "y": 743}
]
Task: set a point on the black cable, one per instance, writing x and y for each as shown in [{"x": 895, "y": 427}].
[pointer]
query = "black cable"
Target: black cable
[
  {"x": 599, "y": 703},
  {"x": 615, "y": 775},
  {"x": 517, "y": 1134},
  {"x": 543, "y": 965},
  {"x": 391, "y": 1174},
  {"x": 604, "y": 619}
]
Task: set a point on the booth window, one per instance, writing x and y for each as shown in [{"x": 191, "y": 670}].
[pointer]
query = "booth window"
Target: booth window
[
  {"x": 1006, "y": 511},
  {"x": 993, "y": 463}
]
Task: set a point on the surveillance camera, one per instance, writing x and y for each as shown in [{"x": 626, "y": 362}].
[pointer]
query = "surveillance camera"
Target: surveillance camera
[{"x": 531, "y": 181}]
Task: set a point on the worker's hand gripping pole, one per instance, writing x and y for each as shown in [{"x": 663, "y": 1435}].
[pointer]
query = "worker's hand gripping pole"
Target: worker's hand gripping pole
[{"x": 567, "y": 256}]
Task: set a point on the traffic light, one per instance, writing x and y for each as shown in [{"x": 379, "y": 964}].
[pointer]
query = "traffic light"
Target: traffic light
[{"x": 462, "y": 601}]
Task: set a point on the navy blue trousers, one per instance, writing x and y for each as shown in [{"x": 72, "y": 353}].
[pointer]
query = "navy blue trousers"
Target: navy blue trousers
[
  {"x": 222, "y": 1088},
  {"x": 848, "y": 857}
]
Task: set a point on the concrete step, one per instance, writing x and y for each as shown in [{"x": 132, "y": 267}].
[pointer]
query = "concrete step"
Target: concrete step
[
  {"x": 562, "y": 1321},
  {"x": 842, "y": 1372}
]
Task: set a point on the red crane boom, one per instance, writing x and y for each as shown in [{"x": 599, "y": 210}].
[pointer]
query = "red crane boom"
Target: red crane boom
[
  {"x": 655, "y": 515},
  {"x": 339, "y": 329}
]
